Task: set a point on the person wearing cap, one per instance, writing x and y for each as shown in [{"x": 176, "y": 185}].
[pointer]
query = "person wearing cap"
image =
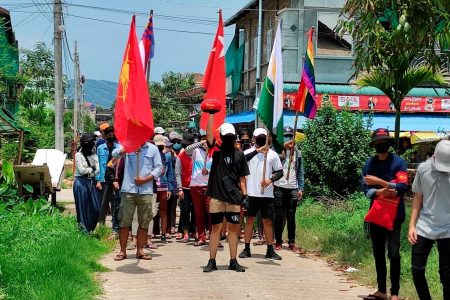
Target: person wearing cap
[
  {"x": 159, "y": 130},
  {"x": 183, "y": 172},
  {"x": 260, "y": 190},
  {"x": 430, "y": 219},
  {"x": 165, "y": 186},
  {"x": 201, "y": 166},
  {"x": 102, "y": 138},
  {"x": 227, "y": 189},
  {"x": 142, "y": 167},
  {"x": 379, "y": 179},
  {"x": 288, "y": 191},
  {"x": 87, "y": 202},
  {"x": 105, "y": 180}
]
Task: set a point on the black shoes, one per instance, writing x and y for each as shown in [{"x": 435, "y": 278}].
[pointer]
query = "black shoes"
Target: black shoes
[
  {"x": 271, "y": 254},
  {"x": 211, "y": 266},
  {"x": 235, "y": 266},
  {"x": 245, "y": 253},
  {"x": 163, "y": 239}
]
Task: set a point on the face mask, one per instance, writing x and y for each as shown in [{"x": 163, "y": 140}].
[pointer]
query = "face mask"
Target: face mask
[
  {"x": 176, "y": 147},
  {"x": 382, "y": 148},
  {"x": 245, "y": 146},
  {"x": 160, "y": 148},
  {"x": 110, "y": 139},
  {"x": 260, "y": 140},
  {"x": 228, "y": 141},
  {"x": 287, "y": 139}
]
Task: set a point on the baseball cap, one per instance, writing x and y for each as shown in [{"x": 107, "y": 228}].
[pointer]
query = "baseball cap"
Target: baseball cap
[
  {"x": 442, "y": 156},
  {"x": 167, "y": 142},
  {"x": 97, "y": 133},
  {"x": 159, "y": 140},
  {"x": 380, "y": 134},
  {"x": 175, "y": 136},
  {"x": 259, "y": 131},
  {"x": 227, "y": 128},
  {"x": 188, "y": 138},
  {"x": 103, "y": 126},
  {"x": 159, "y": 130},
  {"x": 86, "y": 137},
  {"x": 288, "y": 130}
]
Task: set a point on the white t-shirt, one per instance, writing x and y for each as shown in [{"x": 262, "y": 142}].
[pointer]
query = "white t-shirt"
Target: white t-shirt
[
  {"x": 292, "y": 182},
  {"x": 256, "y": 166}
]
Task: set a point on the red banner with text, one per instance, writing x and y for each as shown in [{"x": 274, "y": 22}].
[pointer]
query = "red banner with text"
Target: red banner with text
[{"x": 378, "y": 103}]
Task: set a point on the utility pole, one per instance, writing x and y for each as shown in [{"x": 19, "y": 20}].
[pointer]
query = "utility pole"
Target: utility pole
[
  {"x": 76, "y": 100},
  {"x": 59, "y": 101},
  {"x": 258, "y": 61}
]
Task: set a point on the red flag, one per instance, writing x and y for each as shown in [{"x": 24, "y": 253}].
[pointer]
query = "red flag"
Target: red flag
[
  {"x": 133, "y": 118},
  {"x": 214, "y": 79}
]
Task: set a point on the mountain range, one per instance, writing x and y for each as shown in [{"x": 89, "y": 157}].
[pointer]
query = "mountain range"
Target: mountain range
[{"x": 102, "y": 93}]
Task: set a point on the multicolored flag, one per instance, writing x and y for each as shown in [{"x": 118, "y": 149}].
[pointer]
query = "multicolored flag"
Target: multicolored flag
[
  {"x": 214, "y": 78},
  {"x": 305, "y": 100},
  {"x": 133, "y": 118},
  {"x": 147, "y": 43},
  {"x": 270, "y": 105}
]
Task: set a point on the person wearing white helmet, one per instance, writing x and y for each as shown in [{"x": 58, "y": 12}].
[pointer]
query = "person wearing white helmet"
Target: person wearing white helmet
[{"x": 430, "y": 219}]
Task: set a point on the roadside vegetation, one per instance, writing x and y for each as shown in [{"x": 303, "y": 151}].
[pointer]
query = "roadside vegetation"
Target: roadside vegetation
[{"x": 43, "y": 254}]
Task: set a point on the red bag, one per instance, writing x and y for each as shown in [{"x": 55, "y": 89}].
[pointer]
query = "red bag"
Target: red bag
[
  {"x": 211, "y": 106},
  {"x": 383, "y": 212}
]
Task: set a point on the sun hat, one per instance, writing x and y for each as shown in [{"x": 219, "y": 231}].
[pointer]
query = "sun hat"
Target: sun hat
[
  {"x": 159, "y": 130},
  {"x": 159, "y": 140}
]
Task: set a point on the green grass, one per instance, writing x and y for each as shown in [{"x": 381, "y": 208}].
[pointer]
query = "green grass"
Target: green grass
[
  {"x": 337, "y": 231},
  {"x": 45, "y": 256}
]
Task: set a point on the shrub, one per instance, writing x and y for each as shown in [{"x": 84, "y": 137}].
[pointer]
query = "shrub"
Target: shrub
[{"x": 335, "y": 151}]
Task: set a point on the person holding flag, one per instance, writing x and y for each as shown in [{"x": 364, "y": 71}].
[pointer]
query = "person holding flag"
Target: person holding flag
[{"x": 133, "y": 122}]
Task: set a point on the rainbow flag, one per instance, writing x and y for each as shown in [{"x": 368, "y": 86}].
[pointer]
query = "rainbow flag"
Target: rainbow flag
[{"x": 305, "y": 101}]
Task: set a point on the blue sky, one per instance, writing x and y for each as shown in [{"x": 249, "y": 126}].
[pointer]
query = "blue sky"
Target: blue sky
[{"x": 101, "y": 44}]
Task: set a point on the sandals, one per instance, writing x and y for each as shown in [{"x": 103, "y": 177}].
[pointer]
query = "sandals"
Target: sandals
[
  {"x": 144, "y": 257},
  {"x": 374, "y": 297},
  {"x": 260, "y": 242},
  {"x": 200, "y": 243},
  {"x": 120, "y": 257}
]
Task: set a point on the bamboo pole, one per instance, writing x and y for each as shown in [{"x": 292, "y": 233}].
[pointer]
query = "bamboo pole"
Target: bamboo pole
[{"x": 265, "y": 160}]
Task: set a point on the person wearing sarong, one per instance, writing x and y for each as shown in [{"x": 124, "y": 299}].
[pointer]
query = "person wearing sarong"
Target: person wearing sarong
[{"x": 87, "y": 202}]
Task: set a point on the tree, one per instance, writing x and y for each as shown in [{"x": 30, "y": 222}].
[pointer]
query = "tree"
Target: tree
[
  {"x": 335, "y": 150},
  {"x": 390, "y": 36},
  {"x": 167, "y": 110}
]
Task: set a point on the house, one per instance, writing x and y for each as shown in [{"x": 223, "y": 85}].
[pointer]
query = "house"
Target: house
[{"x": 425, "y": 109}]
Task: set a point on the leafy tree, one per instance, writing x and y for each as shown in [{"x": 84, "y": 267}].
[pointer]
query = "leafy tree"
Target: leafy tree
[
  {"x": 390, "y": 36},
  {"x": 335, "y": 150},
  {"x": 167, "y": 109}
]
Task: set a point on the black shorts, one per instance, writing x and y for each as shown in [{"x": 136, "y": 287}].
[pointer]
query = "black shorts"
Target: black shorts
[{"x": 261, "y": 204}]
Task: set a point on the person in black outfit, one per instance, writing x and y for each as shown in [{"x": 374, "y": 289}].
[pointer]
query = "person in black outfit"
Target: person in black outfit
[
  {"x": 226, "y": 187},
  {"x": 377, "y": 180}
]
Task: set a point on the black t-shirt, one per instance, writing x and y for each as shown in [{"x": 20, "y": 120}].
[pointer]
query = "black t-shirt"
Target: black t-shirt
[{"x": 224, "y": 164}]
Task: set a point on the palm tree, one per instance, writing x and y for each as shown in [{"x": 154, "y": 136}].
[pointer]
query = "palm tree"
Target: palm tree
[{"x": 396, "y": 78}]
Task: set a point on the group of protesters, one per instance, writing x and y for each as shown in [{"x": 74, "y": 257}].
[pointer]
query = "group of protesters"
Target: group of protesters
[{"x": 217, "y": 178}]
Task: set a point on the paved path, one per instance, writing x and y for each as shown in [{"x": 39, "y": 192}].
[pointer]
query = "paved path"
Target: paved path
[{"x": 175, "y": 272}]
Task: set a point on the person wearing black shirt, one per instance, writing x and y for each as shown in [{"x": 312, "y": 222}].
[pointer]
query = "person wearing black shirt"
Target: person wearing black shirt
[{"x": 226, "y": 187}]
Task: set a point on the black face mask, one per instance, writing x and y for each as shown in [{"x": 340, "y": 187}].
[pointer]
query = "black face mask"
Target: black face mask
[
  {"x": 260, "y": 140},
  {"x": 228, "y": 141},
  {"x": 86, "y": 148},
  {"x": 110, "y": 139},
  {"x": 382, "y": 148},
  {"x": 245, "y": 146},
  {"x": 160, "y": 148}
]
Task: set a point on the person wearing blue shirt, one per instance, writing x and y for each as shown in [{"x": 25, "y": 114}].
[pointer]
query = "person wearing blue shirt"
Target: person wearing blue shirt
[
  {"x": 141, "y": 169},
  {"x": 105, "y": 179}
]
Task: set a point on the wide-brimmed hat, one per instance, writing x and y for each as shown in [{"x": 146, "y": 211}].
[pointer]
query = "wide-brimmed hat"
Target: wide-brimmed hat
[
  {"x": 159, "y": 140},
  {"x": 442, "y": 156},
  {"x": 175, "y": 136},
  {"x": 380, "y": 134}
]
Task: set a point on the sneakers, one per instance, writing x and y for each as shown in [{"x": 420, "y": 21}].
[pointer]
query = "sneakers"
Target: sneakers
[
  {"x": 235, "y": 266},
  {"x": 211, "y": 266},
  {"x": 278, "y": 246},
  {"x": 223, "y": 237},
  {"x": 245, "y": 253},
  {"x": 271, "y": 254},
  {"x": 163, "y": 239}
]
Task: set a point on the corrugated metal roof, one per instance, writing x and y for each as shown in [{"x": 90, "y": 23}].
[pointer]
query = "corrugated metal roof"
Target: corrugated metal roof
[
  {"x": 240, "y": 13},
  {"x": 344, "y": 89}
]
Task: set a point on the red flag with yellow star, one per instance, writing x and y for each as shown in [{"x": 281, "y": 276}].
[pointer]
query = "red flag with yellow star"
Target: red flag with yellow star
[
  {"x": 214, "y": 80},
  {"x": 133, "y": 118}
]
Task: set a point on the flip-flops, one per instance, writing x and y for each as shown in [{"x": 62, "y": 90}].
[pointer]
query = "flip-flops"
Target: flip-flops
[
  {"x": 200, "y": 243},
  {"x": 144, "y": 257},
  {"x": 374, "y": 297},
  {"x": 120, "y": 257}
]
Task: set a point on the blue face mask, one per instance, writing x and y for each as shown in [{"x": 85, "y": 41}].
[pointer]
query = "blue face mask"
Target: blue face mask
[
  {"x": 176, "y": 147},
  {"x": 287, "y": 139}
]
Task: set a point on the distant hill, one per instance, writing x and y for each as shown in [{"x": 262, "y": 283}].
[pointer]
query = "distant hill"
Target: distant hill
[{"x": 100, "y": 92}]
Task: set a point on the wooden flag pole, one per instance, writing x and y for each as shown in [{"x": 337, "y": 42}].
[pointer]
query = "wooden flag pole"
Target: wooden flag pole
[
  {"x": 265, "y": 160},
  {"x": 138, "y": 154},
  {"x": 291, "y": 154}
]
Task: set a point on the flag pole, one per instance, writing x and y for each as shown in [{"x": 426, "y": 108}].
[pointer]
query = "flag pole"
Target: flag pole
[
  {"x": 291, "y": 154},
  {"x": 265, "y": 158},
  {"x": 149, "y": 63}
]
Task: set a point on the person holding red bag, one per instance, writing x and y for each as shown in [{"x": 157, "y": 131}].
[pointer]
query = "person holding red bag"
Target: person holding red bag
[{"x": 384, "y": 182}]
